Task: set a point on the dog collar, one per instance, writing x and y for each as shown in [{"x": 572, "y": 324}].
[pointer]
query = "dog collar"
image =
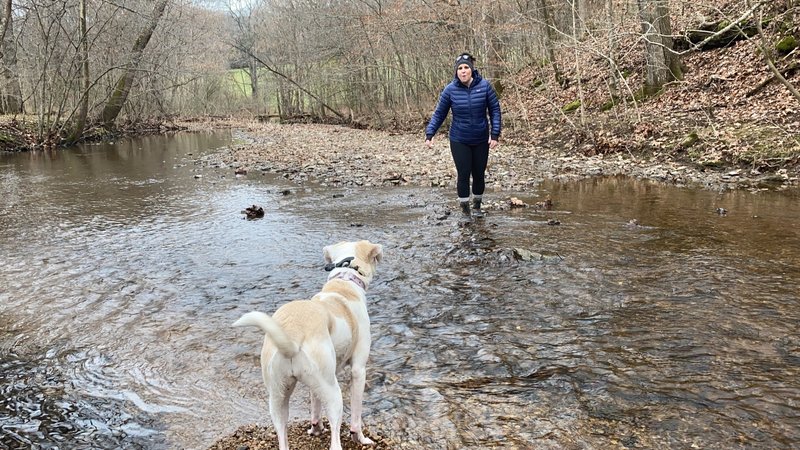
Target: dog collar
[
  {"x": 344, "y": 263},
  {"x": 349, "y": 276}
]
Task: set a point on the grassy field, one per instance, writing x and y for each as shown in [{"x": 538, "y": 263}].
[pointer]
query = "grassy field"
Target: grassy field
[{"x": 240, "y": 82}]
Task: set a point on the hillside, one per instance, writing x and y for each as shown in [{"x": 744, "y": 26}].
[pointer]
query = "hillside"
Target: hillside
[{"x": 729, "y": 109}]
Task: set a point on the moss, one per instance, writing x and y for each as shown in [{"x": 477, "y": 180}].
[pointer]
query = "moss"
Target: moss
[
  {"x": 713, "y": 163},
  {"x": 607, "y": 106},
  {"x": 97, "y": 134},
  {"x": 689, "y": 140},
  {"x": 760, "y": 145},
  {"x": 641, "y": 94},
  {"x": 723, "y": 24},
  {"x": 787, "y": 44},
  {"x": 572, "y": 106}
]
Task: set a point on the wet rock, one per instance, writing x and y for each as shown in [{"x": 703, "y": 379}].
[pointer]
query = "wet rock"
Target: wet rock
[
  {"x": 487, "y": 356},
  {"x": 789, "y": 348},
  {"x": 514, "y": 202},
  {"x": 253, "y": 212},
  {"x": 547, "y": 204},
  {"x": 527, "y": 255}
]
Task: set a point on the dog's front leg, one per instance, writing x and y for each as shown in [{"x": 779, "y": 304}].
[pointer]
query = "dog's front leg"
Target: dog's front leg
[
  {"x": 359, "y": 374},
  {"x": 317, "y": 428}
]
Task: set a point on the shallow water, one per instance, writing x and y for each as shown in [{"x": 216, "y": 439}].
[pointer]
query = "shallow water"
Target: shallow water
[{"x": 123, "y": 267}]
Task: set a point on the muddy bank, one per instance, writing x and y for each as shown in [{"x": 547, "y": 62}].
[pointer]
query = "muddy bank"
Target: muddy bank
[{"x": 340, "y": 156}]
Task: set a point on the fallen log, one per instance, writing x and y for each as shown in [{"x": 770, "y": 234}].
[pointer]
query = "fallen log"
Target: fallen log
[
  {"x": 785, "y": 72},
  {"x": 713, "y": 35}
]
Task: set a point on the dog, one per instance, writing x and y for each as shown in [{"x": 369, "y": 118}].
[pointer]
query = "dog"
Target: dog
[{"x": 310, "y": 340}]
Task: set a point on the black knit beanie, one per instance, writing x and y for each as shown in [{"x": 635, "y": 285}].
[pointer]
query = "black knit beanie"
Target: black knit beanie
[{"x": 465, "y": 58}]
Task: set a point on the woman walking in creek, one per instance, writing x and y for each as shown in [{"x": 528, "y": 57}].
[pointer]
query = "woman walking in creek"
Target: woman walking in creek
[{"x": 474, "y": 130}]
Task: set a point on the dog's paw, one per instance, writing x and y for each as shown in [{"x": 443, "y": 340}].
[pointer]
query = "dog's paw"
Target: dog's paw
[
  {"x": 360, "y": 438},
  {"x": 316, "y": 429}
]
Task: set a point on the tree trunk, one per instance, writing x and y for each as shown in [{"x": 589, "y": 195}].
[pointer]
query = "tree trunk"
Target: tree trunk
[
  {"x": 11, "y": 94},
  {"x": 494, "y": 48},
  {"x": 612, "y": 52},
  {"x": 83, "y": 111},
  {"x": 123, "y": 87},
  {"x": 663, "y": 64},
  {"x": 549, "y": 41},
  {"x": 583, "y": 16},
  {"x": 254, "y": 81}
]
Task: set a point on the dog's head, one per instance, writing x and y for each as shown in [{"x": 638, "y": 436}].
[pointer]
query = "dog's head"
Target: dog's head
[{"x": 365, "y": 254}]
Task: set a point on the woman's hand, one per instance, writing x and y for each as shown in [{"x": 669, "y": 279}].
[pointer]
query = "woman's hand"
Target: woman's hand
[
  {"x": 492, "y": 143},
  {"x": 429, "y": 142}
]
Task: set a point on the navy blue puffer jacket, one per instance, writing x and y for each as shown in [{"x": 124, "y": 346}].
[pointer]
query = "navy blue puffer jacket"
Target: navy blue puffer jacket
[{"x": 470, "y": 106}]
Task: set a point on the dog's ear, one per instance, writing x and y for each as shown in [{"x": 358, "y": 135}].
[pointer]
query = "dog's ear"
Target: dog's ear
[
  {"x": 326, "y": 254},
  {"x": 376, "y": 253}
]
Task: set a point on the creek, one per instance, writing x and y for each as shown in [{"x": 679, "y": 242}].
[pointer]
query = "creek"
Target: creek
[{"x": 632, "y": 314}]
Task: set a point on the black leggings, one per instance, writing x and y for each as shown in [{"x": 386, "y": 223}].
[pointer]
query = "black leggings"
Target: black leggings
[{"x": 470, "y": 160}]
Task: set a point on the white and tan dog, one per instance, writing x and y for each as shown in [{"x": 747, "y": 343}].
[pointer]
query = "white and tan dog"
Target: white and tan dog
[{"x": 309, "y": 340}]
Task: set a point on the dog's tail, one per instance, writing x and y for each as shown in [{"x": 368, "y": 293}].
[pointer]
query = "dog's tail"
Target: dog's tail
[{"x": 286, "y": 346}]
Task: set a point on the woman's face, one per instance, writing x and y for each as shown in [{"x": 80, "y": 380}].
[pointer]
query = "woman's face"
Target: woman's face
[{"x": 464, "y": 73}]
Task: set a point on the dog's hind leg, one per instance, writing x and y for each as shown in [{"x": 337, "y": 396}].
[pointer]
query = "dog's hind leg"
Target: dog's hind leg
[
  {"x": 317, "y": 428},
  {"x": 279, "y": 409},
  {"x": 357, "y": 384},
  {"x": 330, "y": 394}
]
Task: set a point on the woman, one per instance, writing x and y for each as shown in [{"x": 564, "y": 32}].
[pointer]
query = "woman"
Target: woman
[{"x": 471, "y": 98}]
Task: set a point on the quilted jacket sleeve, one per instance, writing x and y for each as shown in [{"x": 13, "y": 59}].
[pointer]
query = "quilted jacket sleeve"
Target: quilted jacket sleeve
[
  {"x": 494, "y": 112},
  {"x": 439, "y": 114}
]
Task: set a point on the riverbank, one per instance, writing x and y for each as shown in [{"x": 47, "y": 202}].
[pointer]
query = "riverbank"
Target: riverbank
[{"x": 341, "y": 156}]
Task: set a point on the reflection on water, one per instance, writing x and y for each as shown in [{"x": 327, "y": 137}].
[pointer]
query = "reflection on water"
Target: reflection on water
[{"x": 123, "y": 267}]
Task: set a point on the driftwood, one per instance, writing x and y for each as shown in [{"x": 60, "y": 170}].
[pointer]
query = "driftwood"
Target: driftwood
[{"x": 285, "y": 118}]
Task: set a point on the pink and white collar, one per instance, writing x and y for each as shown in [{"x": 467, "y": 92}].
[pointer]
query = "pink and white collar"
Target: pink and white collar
[{"x": 349, "y": 276}]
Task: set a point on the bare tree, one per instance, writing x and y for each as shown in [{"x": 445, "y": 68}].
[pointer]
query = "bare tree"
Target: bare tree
[
  {"x": 663, "y": 64},
  {"x": 11, "y": 92},
  {"x": 245, "y": 41},
  {"x": 83, "y": 107},
  {"x": 766, "y": 53},
  {"x": 549, "y": 41},
  {"x": 123, "y": 86}
]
